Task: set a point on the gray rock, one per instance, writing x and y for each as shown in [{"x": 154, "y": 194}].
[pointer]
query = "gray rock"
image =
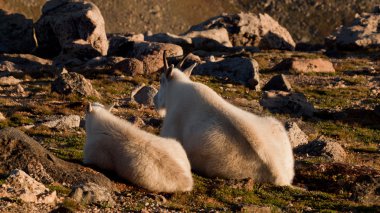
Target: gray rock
[
  {"x": 90, "y": 193},
  {"x": 292, "y": 103},
  {"x": 68, "y": 83},
  {"x": 9, "y": 81},
  {"x": 182, "y": 41},
  {"x": 22, "y": 186},
  {"x": 122, "y": 45},
  {"x": 248, "y": 29},
  {"x": 296, "y": 136},
  {"x": 323, "y": 146},
  {"x": 237, "y": 69},
  {"x": 144, "y": 95},
  {"x": 66, "y": 122},
  {"x": 18, "y": 151},
  {"x": 16, "y": 33},
  {"x": 71, "y": 27},
  {"x": 362, "y": 33},
  {"x": 278, "y": 82}
]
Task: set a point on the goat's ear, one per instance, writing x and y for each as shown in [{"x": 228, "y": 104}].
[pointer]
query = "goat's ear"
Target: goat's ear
[
  {"x": 109, "y": 107},
  {"x": 89, "y": 107},
  {"x": 189, "y": 70},
  {"x": 168, "y": 72}
]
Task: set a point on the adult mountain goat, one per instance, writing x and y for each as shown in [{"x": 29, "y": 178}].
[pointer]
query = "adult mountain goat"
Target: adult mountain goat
[
  {"x": 155, "y": 163},
  {"x": 222, "y": 140}
]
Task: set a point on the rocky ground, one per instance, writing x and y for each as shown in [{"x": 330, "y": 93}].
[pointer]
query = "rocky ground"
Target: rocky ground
[{"x": 328, "y": 99}]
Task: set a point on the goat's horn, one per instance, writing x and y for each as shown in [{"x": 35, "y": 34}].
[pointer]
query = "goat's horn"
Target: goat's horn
[
  {"x": 166, "y": 65},
  {"x": 179, "y": 65}
]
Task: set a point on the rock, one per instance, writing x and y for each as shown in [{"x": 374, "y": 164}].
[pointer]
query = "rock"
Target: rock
[
  {"x": 151, "y": 54},
  {"x": 304, "y": 65},
  {"x": 362, "y": 33},
  {"x": 9, "y": 81},
  {"x": 24, "y": 64},
  {"x": 255, "y": 208},
  {"x": 16, "y": 33},
  {"x": 144, "y": 95},
  {"x": 122, "y": 45},
  {"x": 211, "y": 39},
  {"x": 130, "y": 66},
  {"x": 237, "y": 69},
  {"x": 20, "y": 89},
  {"x": 90, "y": 193},
  {"x": 2, "y": 117},
  {"x": 18, "y": 151},
  {"x": 287, "y": 102},
  {"x": 248, "y": 29},
  {"x": 66, "y": 122},
  {"x": 323, "y": 146},
  {"x": 361, "y": 183},
  {"x": 71, "y": 27},
  {"x": 97, "y": 65},
  {"x": 22, "y": 186},
  {"x": 278, "y": 82},
  {"x": 183, "y": 41},
  {"x": 296, "y": 136},
  {"x": 68, "y": 83}
]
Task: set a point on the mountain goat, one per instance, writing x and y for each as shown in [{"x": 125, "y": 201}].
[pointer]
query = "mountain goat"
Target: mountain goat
[
  {"x": 155, "y": 163},
  {"x": 222, "y": 140}
]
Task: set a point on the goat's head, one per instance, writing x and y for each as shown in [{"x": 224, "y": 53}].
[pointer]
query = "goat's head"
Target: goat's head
[{"x": 169, "y": 75}]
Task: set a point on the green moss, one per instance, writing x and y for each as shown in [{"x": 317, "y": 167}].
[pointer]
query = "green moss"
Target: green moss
[{"x": 61, "y": 190}]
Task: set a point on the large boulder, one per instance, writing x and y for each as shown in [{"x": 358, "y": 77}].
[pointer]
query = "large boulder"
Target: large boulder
[
  {"x": 237, "y": 69},
  {"x": 18, "y": 151},
  {"x": 16, "y": 33},
  {"x": 362, "y": 33},
  {"x": 248, "y": 29},
  {"x": 71, "y": 27}
]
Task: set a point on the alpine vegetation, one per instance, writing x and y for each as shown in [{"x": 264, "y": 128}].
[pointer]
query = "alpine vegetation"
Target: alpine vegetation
[
  {"x": 154, "y": 163},
  {"x": 222, "y": 140}
]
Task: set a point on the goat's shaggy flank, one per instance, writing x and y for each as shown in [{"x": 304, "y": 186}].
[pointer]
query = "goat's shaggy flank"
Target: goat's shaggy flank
[
  {"x": 222, "y": 140},
  {"x": 155, "y": 163}
]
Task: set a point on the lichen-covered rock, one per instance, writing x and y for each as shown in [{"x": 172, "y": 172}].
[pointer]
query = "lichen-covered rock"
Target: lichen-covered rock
[
  {"x": 248, "y": 29},
  {"x": 16, "y": 33},
  {"x": 71, "y": 27},
  {"x": 90, "y": 193},
  {"x": 237, "y": 69},
  {"x": 362, "y": 33},
  {"x": 21, "y": 185},
  {"x": 144, "y": 95},
  {"x": 66, "y": 122},
  {"x": 296, "y": 136},
  {"x": 323, "y": 146},
  {"x": 292, "y": 103},
  {"x": 68, "y": 83}
]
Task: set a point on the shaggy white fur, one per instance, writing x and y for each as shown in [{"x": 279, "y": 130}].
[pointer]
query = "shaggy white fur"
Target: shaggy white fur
[
  {"x": 155, "y": 163},
  {"x": 222, "y": 140}
]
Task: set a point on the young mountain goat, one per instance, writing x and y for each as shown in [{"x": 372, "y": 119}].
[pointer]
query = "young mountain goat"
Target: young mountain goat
[
  {"x": 155, "y": 163},
  {"x": 222, "y": 140}
]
